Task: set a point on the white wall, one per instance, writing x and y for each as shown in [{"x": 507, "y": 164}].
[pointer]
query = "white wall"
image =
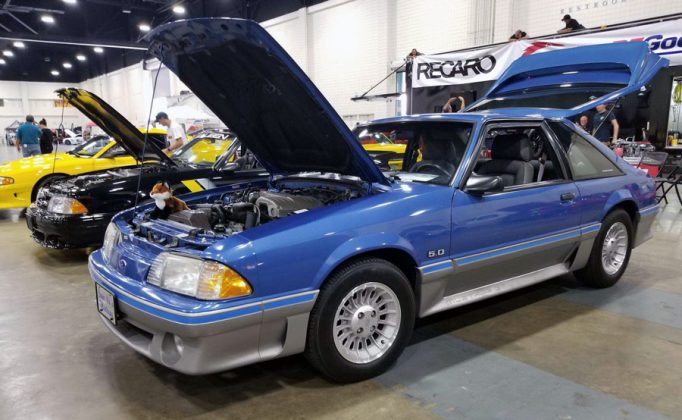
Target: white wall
[
  {"x": 346, "y": 46},
  {"x": 36, "y": 98}
]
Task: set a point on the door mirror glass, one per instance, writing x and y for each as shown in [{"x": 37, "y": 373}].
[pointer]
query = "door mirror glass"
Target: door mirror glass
[{"x": 481, "y": 184}]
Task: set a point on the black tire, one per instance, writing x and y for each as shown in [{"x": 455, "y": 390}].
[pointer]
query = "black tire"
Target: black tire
[
  {"x": 43, "y": 182},
  {"x": 594, "y": 274},
  {"x": 321, "y": 350}
]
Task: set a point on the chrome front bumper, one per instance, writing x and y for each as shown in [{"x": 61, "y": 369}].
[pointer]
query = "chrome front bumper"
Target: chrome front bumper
[{"x": 198, "y": 343}]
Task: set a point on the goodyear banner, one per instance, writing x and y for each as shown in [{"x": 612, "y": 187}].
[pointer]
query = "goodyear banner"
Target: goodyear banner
[{"x": 664, "y": 38}]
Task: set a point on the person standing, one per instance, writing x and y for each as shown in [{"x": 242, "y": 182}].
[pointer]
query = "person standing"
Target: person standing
[
  {"x": 604, "y": 122},
  {"x": 175, "y": 134},
  {"x": 28, "y": 138},
  {"x": 46, "y": 137}
]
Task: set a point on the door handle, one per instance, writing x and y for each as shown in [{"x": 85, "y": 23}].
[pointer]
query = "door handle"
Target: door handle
[{"x": 569, "y": 196}]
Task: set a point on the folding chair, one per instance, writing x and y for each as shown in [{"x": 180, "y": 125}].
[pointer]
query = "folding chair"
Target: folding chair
[
  {"x": 670, "y": 174},
  {"x": 652, "y": 162}
]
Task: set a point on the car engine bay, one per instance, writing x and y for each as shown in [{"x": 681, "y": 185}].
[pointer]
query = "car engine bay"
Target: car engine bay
[{"x": 236, "y": 211}]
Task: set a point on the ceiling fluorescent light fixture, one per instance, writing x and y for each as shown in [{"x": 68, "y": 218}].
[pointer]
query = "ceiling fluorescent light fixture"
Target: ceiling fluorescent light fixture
[
  {"x": 2, "y": 61},
  {"x": 179, "y": 10},
  {"x": 81, "y": 57},
  {"x": 144, "y": 27},
  {"x": 19, "y": 44},
  {"x": 67, "y": 65},
  {"x": 70, "y": 1},
  {"x": 98, "y": 50},
  {"x": 47, "y": 19},
  {"x": 54, "y": 73},
  {"x": 8, "y": 53}
]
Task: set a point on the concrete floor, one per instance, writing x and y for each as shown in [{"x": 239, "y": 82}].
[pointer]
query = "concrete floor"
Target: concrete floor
[{"x": 553, "y": 351}]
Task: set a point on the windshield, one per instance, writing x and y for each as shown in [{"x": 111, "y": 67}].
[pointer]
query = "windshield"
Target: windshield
[
  {"x": 561, "y": 97},
  {"x": 91, "y": 147},
  {"x": 203, "y": 151},
  {"x": 433, "y": 152}
]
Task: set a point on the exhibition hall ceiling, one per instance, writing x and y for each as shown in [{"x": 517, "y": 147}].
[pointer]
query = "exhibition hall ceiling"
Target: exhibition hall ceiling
[{"x": 73, "y": 40}]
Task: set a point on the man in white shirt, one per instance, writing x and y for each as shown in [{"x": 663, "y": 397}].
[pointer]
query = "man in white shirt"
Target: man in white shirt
[{"x": 176, "y": 135}]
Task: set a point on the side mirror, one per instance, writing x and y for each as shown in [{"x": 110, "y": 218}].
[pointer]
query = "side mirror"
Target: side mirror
[
  {"x": 481, "y": 184},
  {"x": 230, "y": 167}
]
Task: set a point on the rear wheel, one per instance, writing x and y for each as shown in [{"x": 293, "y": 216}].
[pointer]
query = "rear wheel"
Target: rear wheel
[
  {"x": 610, "y": 252},
  {"x": 361, "y": 322}
]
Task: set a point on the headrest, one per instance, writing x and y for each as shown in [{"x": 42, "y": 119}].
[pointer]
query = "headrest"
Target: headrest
[
  {"x": 511, "y": 147},
  {"x": 439, "y": 150}
]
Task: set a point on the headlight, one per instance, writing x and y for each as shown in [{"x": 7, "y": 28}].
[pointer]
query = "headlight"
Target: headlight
[
  {"x": 66, "y": 205},
  {"x": 5, "y": 180},
  {"x": 198, "y": 278},
  {"x": 111, "y": 238}
]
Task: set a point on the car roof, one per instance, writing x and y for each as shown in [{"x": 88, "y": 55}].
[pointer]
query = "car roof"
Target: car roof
[{"x": 474, "y": 117}]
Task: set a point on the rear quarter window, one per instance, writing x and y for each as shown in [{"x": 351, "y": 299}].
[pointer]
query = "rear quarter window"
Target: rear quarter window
[{"x": 585, "y": 160}]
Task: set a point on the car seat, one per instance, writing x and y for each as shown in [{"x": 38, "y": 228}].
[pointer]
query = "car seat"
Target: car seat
[{"x": 511, "y": 155}]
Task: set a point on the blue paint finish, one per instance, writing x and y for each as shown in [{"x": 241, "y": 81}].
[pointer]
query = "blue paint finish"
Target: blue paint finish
[
  {"x": 457, "y": 379},
  {"x": 628, "y": 65}
]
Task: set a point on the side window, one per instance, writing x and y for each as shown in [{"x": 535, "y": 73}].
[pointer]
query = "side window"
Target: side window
[
  {"x": 115, "y": 151},
  {"x": 586, "y": 161},
  {"x": 519, "y": 155}
]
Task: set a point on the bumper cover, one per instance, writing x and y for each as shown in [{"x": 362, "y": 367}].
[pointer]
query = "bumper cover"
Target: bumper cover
[
  {"x": 53, "y": 230},
  {"x": 197, "y": 343}
]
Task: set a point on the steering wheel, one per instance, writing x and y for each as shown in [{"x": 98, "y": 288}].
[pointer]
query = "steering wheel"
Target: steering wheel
[
  {"x": 424, "y": 165},
  {"x": 536, "y": 143}
]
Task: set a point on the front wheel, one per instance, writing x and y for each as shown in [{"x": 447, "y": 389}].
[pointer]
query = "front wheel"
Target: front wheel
[
  {"x": 361, "y": 321},
  {"x": 610, "y": 252}
]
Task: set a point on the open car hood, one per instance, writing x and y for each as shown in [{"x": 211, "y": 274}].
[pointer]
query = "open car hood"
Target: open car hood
[
  {"x": 114, "y": 124},
  {"x": 566, "y": 79},
  {"x": 247, "y": 79}
]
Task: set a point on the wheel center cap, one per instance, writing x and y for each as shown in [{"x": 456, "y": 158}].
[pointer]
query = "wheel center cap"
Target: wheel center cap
[{"x": 365, "y": 321}]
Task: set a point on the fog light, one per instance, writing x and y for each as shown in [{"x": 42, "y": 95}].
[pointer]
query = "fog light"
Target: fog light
[{"x": 5, "y": 180}]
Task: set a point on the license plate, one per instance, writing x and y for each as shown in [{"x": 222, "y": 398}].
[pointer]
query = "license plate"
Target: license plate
[{"x": 106, "y": 303}]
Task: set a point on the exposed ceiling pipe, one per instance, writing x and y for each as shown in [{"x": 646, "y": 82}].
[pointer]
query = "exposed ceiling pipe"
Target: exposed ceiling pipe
[{"x": 68, "y": 41}]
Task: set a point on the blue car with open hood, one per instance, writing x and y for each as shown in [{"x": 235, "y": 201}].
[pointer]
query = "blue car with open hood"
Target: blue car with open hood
[{"x": 332, "y": 257}]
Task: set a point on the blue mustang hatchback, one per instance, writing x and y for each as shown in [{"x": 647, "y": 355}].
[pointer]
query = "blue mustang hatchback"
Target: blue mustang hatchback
[{"x": 332, "y": 257}]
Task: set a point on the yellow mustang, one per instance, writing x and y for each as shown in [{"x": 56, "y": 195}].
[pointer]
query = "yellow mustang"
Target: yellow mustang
[
  {"x": 21, "y": 179},
  {"x": 383, "y": 149}
]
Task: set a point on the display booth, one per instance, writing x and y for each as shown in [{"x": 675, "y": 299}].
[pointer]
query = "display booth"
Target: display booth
[{"x": 652, "y": 114}]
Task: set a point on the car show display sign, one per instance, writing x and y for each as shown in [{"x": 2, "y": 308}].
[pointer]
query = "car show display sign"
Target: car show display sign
[{"x": 664, "y": 38}]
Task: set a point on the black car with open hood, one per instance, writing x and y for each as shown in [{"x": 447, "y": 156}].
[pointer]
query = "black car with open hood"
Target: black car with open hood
[{"x": 74, "y": 212}]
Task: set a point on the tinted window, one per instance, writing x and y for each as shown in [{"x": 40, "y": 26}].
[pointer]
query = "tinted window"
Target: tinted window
[{"x": 586, "y": 161}]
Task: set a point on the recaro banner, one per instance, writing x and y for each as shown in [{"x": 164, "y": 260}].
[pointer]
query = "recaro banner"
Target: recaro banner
[
  {"x": 664, "y": 38},
  {"x": 465, "y": 67}
]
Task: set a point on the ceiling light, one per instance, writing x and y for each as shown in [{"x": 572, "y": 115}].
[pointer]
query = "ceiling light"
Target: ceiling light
[
  {"x": 179, "y": 10},
  {"x": 70, "y": 1},
  {"x": 98, "y": 50},
  {"x": 144, "y": 27},
  {"x": 67, "y": 65},
  {"x": 54, "y": 73},
  {"x": 2, "y": 61},
  {"x": 47, "y": 19},
  {"x": 8, "y": 53},
  {"x": 127, "y": 11},
  {"x": 80, "y": 57},
  {"x": 19, "y": 44}
]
